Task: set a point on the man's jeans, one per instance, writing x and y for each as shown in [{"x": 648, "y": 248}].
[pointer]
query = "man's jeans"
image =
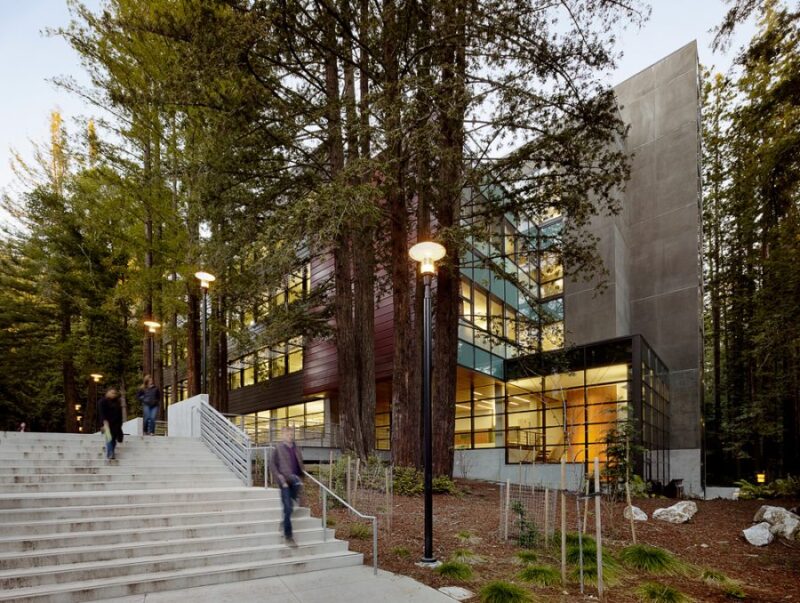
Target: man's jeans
[
  {"x": 289, "y": 495},
  {"x": 110, "y": 447},
  {"x": 150, "y": 413}
]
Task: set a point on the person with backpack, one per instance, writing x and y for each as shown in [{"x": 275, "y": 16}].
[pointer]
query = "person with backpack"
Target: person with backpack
[{"x": 149, "y": 397}]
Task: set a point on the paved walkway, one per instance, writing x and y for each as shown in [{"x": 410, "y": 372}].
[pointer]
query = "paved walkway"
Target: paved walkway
[{"x": 348, "y": 585}]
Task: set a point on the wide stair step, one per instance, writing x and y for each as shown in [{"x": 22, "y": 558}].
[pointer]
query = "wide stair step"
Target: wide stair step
[{"x": 166, "y": 515}]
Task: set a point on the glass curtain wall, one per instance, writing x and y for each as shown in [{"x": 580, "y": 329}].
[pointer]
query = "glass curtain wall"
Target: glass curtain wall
[{"x": 308, "y": 419}]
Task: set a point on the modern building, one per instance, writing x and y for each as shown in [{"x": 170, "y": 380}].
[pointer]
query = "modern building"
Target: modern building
[{"x": 627, "y": 349}]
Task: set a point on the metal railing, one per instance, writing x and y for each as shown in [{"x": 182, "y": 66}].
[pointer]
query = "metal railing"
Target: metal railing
[
  {"x": 227, "y": 441},
  {"x": 262, "y": 431},
  {"x": 324, "y": 491}
]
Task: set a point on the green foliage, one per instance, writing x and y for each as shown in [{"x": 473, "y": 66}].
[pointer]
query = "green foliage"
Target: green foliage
[
  {"x": 652, "y": 592},
  {"x": 731, "y": 588},
  {"x": 574, "y": 548},
  {"x": 402, "y": 552},
  {"x": 638, "y": 487},
  {"x": 467, "y": 537},
  {"x": 408, "y": 481},
  {"x": 541, "y": 575},
  {"x": 780, "y": 488},
  {"x": 527, "y": 556},
  {"x": 455, "y": 570},
  {"x": 652, "y": 560},
  {"x": 622, "y": 451},
  {"x": 466, "y": 556},
  {"x": 442, "y": 484},
  {"x": 360, "y": 531},
  {"x": 330, "y": 521},
  {"x": 528, "y": 536},
  {"x": 500, "y": 591}
]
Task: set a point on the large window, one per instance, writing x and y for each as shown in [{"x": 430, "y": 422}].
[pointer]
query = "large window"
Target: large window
[
  {"x": 266, "y": 363},
  {"x": 476, "y": 415},
  {"x": 308, "y": 419}
]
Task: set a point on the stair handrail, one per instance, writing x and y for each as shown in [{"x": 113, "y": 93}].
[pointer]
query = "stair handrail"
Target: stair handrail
[
  {"x": 228, "y": 442},
  {"x": 325, "y": 491}
]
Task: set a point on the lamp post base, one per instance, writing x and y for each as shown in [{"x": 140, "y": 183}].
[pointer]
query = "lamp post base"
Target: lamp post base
[{"x": 431, "y": 563}]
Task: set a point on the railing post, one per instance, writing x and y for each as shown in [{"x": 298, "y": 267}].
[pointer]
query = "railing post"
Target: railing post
[
  {"x": 249, "y": 467},
  {"x": 375, "y": 546},
  {"x": 324, "y": 515}
]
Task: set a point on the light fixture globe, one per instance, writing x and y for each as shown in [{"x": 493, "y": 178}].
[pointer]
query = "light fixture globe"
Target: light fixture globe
[
  {"x": 152, "y": 325},
  {"x": 205, "y": 278},
  {"x": 96, "y": 377},
  {"x": 427, "y": 253}
]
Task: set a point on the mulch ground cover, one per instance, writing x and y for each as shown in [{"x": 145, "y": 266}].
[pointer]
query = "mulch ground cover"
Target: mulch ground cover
[{"x": 711, "y": 540}]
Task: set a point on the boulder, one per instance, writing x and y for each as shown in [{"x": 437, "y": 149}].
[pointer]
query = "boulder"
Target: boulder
[
  {"x": 457, "y": 593},
  {"x": 689, "y": 507},
  {"x": 759, "y": 534},
  {"x": 678, "y": 513},
  {"x": 782, "y": 522},
  {"x": 638, "y": 514}
]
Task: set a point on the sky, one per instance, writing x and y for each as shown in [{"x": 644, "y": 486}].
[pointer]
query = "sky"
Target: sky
[{"x": 31, "y": 59}]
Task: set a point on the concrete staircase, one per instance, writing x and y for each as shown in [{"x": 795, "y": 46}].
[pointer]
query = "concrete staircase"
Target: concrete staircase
[{"x": 166, "y": 515}]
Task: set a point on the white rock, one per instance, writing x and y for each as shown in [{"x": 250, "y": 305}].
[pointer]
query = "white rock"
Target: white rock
[
  {"x": 688, "y": 507},
  {"x": 759, "y": 534},
  {"x": 457, "y": 593},
  {"x": 670, "y": 515},
  {"x": 782, "y": 522},
  {"x": 638, "y": 514},
  {"x": 678, "y": 513}
]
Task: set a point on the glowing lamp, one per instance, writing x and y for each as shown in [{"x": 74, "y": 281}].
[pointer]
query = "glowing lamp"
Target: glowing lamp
[
  {"x": 205, "y": 278},
  {"x": 427, "y": 253}
]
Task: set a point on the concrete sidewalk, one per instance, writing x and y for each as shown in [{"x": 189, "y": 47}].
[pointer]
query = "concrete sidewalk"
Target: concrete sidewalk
[{"x": 348, "y": 585}]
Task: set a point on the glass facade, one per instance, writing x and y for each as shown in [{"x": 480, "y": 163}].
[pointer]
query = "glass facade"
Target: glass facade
[
  {"x": 265, "y": 364},
  {"x": 308, "y": 419}
]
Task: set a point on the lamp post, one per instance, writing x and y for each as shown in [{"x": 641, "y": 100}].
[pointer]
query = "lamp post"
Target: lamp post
[
  {"x": 205, "y": 279},
  {"x": 152, "y": 327},
  {"x": 427, "y": 253}
]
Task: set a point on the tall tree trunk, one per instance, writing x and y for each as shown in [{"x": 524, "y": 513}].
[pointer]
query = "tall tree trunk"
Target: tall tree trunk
[
  {"x": 349, "y": 415},
  {"x": 405, "y": 447},
  {"x": 193, "y": 340},
  {"x": 68, "y": 378},
  {"x": 452, "y": 110}
]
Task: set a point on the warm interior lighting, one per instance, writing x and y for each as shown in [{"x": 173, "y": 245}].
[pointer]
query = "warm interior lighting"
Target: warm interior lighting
[
  {"x": 152, "y": 325},
  {"x": 77, "y": 407},
  {"x": 761, "y": 478},
  {"x": 205, "y": 278},
  {"x": 427, "y": 253},
  {"x": 96, "y": 377}
]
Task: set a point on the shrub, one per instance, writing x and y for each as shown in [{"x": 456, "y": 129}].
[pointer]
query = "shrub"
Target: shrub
[
  {"x": 330, "y": 521},
  {"x": 504, "y": 592},
  {"x": 574, "y": 549},
  {"x": 652, "y": 559},
  {"x": 731, "y": 588},
  {"x": 442, "y": 484},
  {"x": 410, "y": 482},
  {"x": 652, "y": 592},
  {"x": 401, "y": 552},
  {"x": 466, "y": 556},
  {"x": 527, "y": 556},
  {"x": 542, "y": 575},
  {"x": 454, "y": 570},
  {"x": 407, "y": 481},
  {"x": 611, "y": 572},
  {"x": 788, "y": 487},
  {"x": 467, "y": 537},
  {"x": 528, "y": 532},
  {"x": 359, "y": 531}
]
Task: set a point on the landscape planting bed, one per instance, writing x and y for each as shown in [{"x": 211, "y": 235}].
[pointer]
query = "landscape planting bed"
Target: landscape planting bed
[{"x": 768, "y": 574}]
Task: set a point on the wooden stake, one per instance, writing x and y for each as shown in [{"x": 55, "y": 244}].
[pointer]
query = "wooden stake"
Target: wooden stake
[
  {"x": 598, "y": 529},
  {"x": 586, "y": 504},
  {"x": 507, "y": 507},
  {"x": 348, "y": 480},
  {"x": 563, "y": 521},
  {"x": 330, "y": 470},
  {"x": 630, "y": 509},
  {"x": 546, "y": 517}
]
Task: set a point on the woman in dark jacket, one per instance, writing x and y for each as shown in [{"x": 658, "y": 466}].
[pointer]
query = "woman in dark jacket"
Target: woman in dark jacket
[{"x": 111, "y": 418}]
